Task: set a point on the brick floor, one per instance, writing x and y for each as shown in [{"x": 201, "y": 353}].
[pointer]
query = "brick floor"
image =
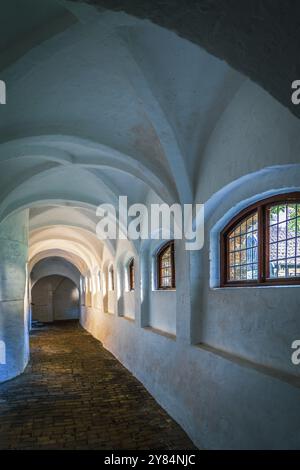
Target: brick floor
[{"x": 75, "y": 395}]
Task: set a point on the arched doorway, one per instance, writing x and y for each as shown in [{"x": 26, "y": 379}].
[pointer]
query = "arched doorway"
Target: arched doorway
[{"x": 55, "y": 298}]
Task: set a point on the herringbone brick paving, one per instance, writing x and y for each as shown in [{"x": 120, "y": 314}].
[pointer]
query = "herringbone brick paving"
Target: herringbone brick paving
[{"x": 75, "y": 395}]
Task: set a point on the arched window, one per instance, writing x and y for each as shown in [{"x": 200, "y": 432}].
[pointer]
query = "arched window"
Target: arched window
[
  {"x": 131, "y": 275},
  {"x": 111, "y": 281},
  {"x": 261, "y": 246},
  {"x": 166, "y": 266}
]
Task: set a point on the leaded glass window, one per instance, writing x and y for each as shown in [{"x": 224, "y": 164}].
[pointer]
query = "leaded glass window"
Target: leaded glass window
[
  {"x": 166, "y": 267},
  {"x": 261, "y": 245}
]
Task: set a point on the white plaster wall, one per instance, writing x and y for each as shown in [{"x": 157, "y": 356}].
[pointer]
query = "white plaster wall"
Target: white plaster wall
[
  {"x": 227, "y": 376},
  {"x": 255, "y": 147},
  {"x": 220, "y": 403},
  {"x": 13, "y": 283},
  {"x": 162, "y": 314},
  {"x": 253, "y": 133},
  {"x": 42, "y": 302},
  {"x": 111, "y": 301},
  {"x": 66, "y": 301},
  {"x": 126, "y": 299},
  {"x": 129, "y": 304},
  {"x": 55, "y": 265}
]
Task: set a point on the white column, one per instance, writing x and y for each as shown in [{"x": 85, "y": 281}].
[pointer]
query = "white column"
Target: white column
[{"x": 14, "y": 309}]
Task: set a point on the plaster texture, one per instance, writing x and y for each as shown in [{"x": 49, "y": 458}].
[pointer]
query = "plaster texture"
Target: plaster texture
[
  {"x": 257, "y": 38},
  {"x": 14, "y": 307}
]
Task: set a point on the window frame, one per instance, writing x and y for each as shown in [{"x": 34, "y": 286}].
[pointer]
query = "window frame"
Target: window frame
[
  {"x": 261, "y": 207},
  {"x": 131, "y": 275},
  {"x": 159, "y": 268}
]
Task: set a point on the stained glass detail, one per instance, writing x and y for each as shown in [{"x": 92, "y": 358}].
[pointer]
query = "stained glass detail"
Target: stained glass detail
[
  {"x": 166, "y": 268},
  {"x": 243, "y": 250}
]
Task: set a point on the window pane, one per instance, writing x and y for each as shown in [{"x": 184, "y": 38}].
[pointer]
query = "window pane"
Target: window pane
[
  {"x": 297, "y": 266},
  {"x": 291, "y": 251},
  {"x": 243, "y": 250},
  {"x": 273, "y": 217},
  {"x": 282, "y": 235},
  {"x": 292, "y": 211},
  {"x": 167, "y": 282},
  {"x": 291, "y": 267},
  {"x": 166, "y": 267},
  {"x": 273, "y": 252},
  {"x": 281, "y": 269},
  {"x": 131, "y": 275},
  {"x": 252, "y": 223},
  {"x": 298, "y": 246},
  {"x": 284, "y": 245},
  {"x": 237, "y": 273},
  {"x": 281, "y": 250},
  {"x": 273, "y": 233}
]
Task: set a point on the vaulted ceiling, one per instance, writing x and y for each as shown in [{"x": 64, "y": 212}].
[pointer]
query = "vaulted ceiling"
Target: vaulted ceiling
[
  {"x": 259, "y": 38},
  {"x": 102, "y": 104},
  {"x": 113, "y": 100}
]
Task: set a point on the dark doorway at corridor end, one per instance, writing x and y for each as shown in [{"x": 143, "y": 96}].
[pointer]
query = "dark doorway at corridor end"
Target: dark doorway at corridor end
[{"x": 55, "y": 298}]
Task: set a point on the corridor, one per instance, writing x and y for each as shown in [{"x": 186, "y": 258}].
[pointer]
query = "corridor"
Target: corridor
[
  {"x": 150, "y": 192},
  {"x": 75, "y": 395}
]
